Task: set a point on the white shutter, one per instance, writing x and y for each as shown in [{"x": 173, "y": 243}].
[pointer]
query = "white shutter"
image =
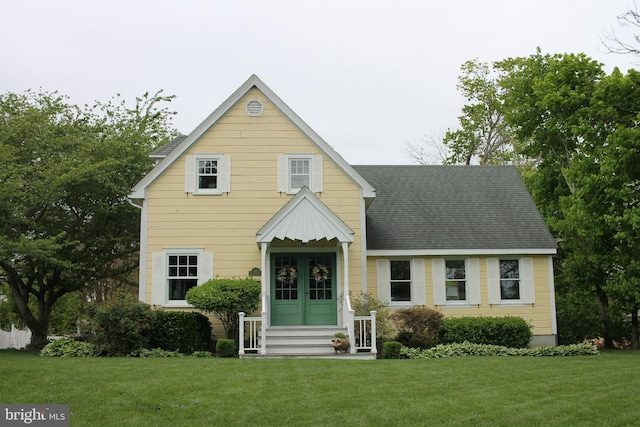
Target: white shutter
[
  {"x": 205, "y": 272},
  {"x": 419, "y": 292},
  {"x": 493, "y": 280},
  {"x": 158, "y": 279},
  {"x": 527, "y": 289},
  {"x": 190, "y": 168},
  {"x": 384, "y": 280},
  {"x": 439, "y": 286},
  {"x": 317, "y": 174},
  {"x": 224, "y": 174},
  {"x": 473, "y": 281},
  {"x": 283, "y": 174}
]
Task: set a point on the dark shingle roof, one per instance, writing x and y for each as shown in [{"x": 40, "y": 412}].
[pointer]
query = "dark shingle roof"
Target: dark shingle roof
[
  {"x": 452, "y": 207},
  {"x": 168, "y": 147}
]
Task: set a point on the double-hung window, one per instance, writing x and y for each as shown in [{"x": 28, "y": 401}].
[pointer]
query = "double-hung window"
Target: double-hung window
[
  {"x": 400, "y": 280},
  {"x": 296, "y": 171},
  {"x": 509, "y": 279},
  {"x": 455, "y": 280},
  {"x": 182, "y": 274},
  {"x": 207, "y": 174}
]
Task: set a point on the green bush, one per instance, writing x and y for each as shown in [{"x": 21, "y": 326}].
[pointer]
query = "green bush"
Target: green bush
[
  {"x": 182, "y": 331},
  {"x": 225, "y": 298},
  {"x": 68, "y": 347},
  {"x": 363, "y": 303},
  {"x": 226, "y": 347},
  {"x": 505, "y": 331},
  {"x": 391, "y": 350},
  {"x": 418, "y": 327},
  {"x": 470, "y": 349},
  {"x": 119, "y": 328},
  {"x": 202, "y": 354}
]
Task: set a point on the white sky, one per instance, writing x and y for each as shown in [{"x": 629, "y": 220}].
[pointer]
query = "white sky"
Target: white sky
[{"x": 368, "y": 76}]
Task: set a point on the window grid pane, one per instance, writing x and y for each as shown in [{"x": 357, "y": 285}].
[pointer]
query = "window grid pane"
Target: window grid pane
[
  {"x": 207, "y": 173},
  {"x": 299, "y": 173}
]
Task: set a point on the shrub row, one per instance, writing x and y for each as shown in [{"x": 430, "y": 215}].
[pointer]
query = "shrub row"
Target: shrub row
[
  {"x": 470, "y": 349},
  {"x": 510, "y": 331},
  {"x": 422, "y": 327},
  {"x": 126, "y": 327}
]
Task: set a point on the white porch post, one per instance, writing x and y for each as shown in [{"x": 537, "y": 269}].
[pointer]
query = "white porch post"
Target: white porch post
[
  {"x": 345, "y": 255},
  {"x": 265, "y": 301},
  {"x": 347, "y": 314}
]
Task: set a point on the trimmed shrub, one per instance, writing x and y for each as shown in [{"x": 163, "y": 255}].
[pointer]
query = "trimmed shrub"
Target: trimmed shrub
[
  {"x": 391, "y": 350},
  {"x": 183, "y": 331},
  {"x": 226, "y": 347},
  {"x": 225, "y": 298},
  {"x": 68, "y": 347},
  {"x": 505, "y": 331},
  {"x": 119, "y": 328},
  {"x": 419, "y": 327}
]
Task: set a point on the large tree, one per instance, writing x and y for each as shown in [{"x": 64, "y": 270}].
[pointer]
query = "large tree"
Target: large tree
[
  {"x": 483, "y": 134},
  {"x": 65, "y": 173}
]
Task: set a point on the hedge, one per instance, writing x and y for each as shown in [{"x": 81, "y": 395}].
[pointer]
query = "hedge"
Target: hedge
[{"x": 508, "y": 331}]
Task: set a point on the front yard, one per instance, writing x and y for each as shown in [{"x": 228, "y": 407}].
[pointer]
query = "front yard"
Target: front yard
[{"x": 462, "y": 391}]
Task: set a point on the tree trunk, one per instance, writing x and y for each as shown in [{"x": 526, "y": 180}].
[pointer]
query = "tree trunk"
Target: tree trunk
[{"x": 606, "y": 320}]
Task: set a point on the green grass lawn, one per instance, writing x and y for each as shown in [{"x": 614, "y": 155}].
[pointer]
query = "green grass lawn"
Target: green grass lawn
[{"x": 465, "y": 391}]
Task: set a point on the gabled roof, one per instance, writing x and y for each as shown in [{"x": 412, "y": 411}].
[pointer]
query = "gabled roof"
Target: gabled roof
[
  {"x": 253, "y": 81},
  {"x": 162, "y": 152},
  {"x": 305, "y": 218},
  {"x": 453, "y": 208}
]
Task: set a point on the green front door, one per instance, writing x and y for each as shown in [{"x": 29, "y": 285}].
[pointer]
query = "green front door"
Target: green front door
[{"x": 303, "y": 289}]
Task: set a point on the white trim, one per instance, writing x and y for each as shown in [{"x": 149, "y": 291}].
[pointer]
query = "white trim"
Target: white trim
[
  {"x": 160, "y": 294},
  {"x": 142, "y": 267},
  {"x": 418, "y": 282},
  {"x": 552, "y": 297},
  {"x": 363, "y": 245},
  {"x": 456, "y": 252},
  {"x": 316, "y": 174}
]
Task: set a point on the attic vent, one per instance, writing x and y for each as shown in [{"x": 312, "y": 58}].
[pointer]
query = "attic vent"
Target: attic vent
[{"x": 254, "y": 107}]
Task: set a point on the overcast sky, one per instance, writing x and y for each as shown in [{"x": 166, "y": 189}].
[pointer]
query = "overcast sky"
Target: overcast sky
[{"x": 368, "y": 76}]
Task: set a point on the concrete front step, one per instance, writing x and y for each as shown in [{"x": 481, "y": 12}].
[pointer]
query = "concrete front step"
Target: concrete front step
[{"x": 348, "y": 356}]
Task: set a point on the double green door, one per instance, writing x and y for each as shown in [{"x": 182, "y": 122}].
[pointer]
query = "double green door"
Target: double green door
[{"x": 303, "y": 289}]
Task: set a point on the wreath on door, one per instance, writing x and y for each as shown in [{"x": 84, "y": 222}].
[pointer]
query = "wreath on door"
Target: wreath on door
[
  {"x": 287, "y": 275},
  {"x": 320, "y": 272}
]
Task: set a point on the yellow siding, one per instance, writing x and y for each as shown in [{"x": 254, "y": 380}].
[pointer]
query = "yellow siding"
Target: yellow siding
[
  {"x": 227, "y": 224},
  {"x": 538, "y": 314}
]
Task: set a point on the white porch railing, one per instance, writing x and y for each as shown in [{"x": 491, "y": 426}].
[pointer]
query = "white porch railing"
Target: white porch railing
[
  {"x": 365, "y": 332},
  {"x": 249, "y": 327},
  {"x": 361, "y": 329}
]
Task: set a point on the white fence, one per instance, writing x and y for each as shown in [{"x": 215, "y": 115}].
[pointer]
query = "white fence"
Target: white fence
[{"x": 16, "y": 338}]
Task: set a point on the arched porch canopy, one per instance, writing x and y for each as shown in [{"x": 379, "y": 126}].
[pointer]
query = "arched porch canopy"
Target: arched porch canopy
[{"x": 305, "y": 218}]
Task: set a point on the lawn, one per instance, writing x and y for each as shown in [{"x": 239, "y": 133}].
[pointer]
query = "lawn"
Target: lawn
[{"x": 465, "y": 391}]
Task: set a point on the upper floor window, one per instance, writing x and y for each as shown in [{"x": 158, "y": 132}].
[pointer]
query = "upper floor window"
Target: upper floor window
[
  {"x": 300, "y": 170},
  {"x": 509, "y": 279},
  {"x": 456, "y": 282},
  {"x": 207, "y": 174},
  {"x": 400, "y": 280}
]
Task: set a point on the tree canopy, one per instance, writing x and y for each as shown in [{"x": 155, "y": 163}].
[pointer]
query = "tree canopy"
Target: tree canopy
[{"x": 65, "y": 173}]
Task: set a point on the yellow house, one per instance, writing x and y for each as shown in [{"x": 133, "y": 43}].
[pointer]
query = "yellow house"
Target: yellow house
[{"x": 254, "y": 191}]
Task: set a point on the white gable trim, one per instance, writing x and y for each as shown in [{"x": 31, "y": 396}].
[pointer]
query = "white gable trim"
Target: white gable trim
[
  {"x": 138, "y": 191},
  {"x": 305, "y": 218}
]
